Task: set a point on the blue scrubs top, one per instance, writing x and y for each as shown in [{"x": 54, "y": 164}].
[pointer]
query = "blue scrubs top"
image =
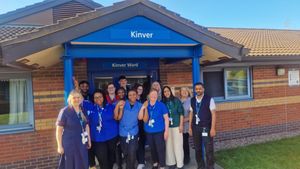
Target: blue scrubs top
[
  {"x": 156, "y": 113},
  {"x": 109, "y": 127},
  {"x": 129, "y": 121}
]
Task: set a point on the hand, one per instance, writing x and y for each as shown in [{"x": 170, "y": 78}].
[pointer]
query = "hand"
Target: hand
[
  {"x": 180, "y": 128},
  {"x": 76, "y": 84},
  {"x": 212, "y": 132},
  {"x": 60, "y": 150},
  {"x": 166, "y": 134},
  {"x": 145, "y": 104},
  {"x": 89, "y": 144},
  {"x": 190, "y": 132},
  {"x": 121, "y": 104}
]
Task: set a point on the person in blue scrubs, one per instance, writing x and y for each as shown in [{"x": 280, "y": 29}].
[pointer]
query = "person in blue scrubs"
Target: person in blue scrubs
[
  {"x": 128, "y": 113},
  {"x": 104, "y": 129},
  {"x": 72, "y": 134},
  {"x": 157, "y": 128}
]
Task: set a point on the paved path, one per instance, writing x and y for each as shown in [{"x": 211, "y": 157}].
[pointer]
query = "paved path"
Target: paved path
[{"x": 191, "y": 165}]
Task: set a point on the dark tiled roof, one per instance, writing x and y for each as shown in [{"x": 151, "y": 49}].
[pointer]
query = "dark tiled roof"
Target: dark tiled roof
[
  {"x": 40, "y": 6},
  {"x": 8, "y": 32}
]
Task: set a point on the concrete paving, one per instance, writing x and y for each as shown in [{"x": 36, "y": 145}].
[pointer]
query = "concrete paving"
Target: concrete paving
[{"x": 191, "y": 165}]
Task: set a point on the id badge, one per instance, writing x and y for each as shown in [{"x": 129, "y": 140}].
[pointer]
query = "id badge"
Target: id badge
[
  {"x": 151, "y": 123},
  {"x": 204, "y": 134},
  {"x": 197, "y": 119},
  {"x": 84, "y": 137},
  {"x": 171, "y": 120},
  {"x": 99, "y": 127}
]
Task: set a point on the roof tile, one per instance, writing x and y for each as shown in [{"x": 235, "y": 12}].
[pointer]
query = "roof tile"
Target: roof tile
[{"x": 264, "y": 42}]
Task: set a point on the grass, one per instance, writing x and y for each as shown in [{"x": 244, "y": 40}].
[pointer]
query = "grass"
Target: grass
[{"x": 281, "y": 154}]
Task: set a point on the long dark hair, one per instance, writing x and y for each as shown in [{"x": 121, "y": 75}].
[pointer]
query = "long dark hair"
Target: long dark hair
[
  {"x": 164, "y": 99},
  {"x": 143, "y": 95},
  {"x": 103, "y": 94}
]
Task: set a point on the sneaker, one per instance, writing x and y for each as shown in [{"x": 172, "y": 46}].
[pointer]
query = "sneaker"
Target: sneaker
[{"x": 140, "y": 166}]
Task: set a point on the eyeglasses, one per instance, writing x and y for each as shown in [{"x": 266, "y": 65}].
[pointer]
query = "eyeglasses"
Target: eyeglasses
[{"x": 98, "y": 97}]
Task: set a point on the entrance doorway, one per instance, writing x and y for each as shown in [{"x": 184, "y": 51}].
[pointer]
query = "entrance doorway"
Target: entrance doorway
[{"x": 104, "y": 71}]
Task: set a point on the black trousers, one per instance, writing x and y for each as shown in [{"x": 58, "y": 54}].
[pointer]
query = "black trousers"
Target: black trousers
[
  {"x": 207, "y": 141},
  {"x": 92, "y": 156},
  {"x": 186, "y": 148},
  {"x": 129, "y": 151},
  {"x": 105, "y": 153},
  {"x": 140, "y": 153},
  {"x": 158, "y": 147}
]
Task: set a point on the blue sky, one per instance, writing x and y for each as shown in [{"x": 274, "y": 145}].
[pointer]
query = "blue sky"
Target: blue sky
[{"x": 274, "y": 14}]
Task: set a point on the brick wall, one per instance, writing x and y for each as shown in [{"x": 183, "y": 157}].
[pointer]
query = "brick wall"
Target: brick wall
[
  {"x": 275, "y": 106},
  {"x": 38, "y": 149}
]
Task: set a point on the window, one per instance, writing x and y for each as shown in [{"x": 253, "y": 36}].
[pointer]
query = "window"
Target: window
[
  {"x": 228, "y": 84},
  {"x": 214, "y": 84},
  {"x": 16, "y": 102},
  {"x": 237, "y": 83}
]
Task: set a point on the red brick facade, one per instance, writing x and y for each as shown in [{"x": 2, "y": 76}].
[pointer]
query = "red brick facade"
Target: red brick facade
[{"x": 273, "y": 109}]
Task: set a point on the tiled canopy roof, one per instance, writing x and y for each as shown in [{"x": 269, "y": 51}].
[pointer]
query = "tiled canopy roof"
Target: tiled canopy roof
[
  {"x": 264, "y": 42},
  {"x": 8, "y": 32}
]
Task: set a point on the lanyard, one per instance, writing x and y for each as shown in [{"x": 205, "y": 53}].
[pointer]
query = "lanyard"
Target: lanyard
[
  {"x": 100, "y": 111},
  {"x": 169, "y": 105},
  {"x": 198, "y": 105},
  {"x": 81, "y": 121},
  {"x": 151, "y": 109}
]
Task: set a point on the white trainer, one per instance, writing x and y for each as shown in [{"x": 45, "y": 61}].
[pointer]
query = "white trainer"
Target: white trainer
[{"x": 140, "y": 166}]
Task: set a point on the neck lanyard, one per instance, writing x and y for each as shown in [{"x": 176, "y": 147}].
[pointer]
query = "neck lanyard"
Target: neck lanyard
[
  {"x": 169, "y": 105},
  {"x": 198, "y": 105},
  {"x": 151, "y": 109},
  {"x": 80, "y": 120},
  {"x": 100, "y": 111}
]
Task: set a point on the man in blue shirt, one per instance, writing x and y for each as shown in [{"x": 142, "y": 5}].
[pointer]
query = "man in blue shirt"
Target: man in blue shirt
[{"x": 129, "y": 112}]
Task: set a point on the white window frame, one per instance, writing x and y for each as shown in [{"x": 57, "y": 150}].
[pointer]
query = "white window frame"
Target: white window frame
[
  {"x": 16, "y": 128},
  {"x": 248, "y": 95}
]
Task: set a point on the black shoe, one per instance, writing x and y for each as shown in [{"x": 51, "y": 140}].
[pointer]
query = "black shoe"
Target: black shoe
[
  {"x": 154, "y": 167},
  {"x": 172, "y": 167},
  {"x": 186, "y": 161}
]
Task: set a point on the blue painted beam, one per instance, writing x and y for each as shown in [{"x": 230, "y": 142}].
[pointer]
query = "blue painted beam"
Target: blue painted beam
[
  {"x": 196, "y": 64},
  {"x": 68, "y": 74},
  {"x": 82, "y": 51}
]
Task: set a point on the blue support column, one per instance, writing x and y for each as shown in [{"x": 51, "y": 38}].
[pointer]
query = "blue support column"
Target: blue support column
[
  {"x": 68, "y": 74},
  {"x": 196, "y": 78},
  {"x": 196, "y": 63}
]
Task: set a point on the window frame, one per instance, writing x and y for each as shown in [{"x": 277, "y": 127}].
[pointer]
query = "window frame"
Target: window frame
[
  {"x": 16, "y": 128},
  {"x": 227, "y": 98},
  {"x": 248, "y": 95}
]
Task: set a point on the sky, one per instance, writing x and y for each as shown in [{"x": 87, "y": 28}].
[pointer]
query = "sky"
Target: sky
[{"x": 269, "y": 14}]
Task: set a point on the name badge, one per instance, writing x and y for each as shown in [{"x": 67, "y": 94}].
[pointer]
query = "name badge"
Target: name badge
[
  {"x": 84, "y": 137},
  {"x": 204, "y": 134},
  {"x": 151, "y": 123},
  {"x": 171, "y": 120}
]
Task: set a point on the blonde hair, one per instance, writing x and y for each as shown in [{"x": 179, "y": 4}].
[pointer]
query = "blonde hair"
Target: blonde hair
[
  {"x": 70, "y": 97},
  {"x": 184, "y": 88},
  {"x": 72, "y": 94}
]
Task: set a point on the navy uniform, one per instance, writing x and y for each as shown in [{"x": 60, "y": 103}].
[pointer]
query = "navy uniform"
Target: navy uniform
[{"x": 201, "y": 124}]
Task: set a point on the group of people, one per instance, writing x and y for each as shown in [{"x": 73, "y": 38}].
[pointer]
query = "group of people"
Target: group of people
[{"x": 115, "y": 125}]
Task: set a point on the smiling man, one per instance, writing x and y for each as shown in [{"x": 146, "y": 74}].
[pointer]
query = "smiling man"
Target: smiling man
[{"x": 203, "y": 126}]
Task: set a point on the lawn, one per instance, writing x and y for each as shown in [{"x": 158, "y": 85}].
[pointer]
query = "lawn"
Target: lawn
[{"x": 281, "y": 154}]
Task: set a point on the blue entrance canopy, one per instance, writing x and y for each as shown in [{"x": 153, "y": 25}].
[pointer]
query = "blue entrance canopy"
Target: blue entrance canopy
[
  {"x": 136, "y": 31},
  {"x": 135, "y": 38}
]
